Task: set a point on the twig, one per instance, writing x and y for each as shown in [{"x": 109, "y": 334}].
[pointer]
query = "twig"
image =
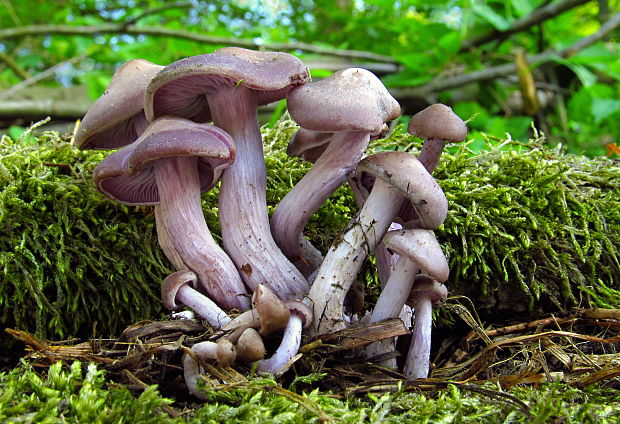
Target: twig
[
  {"x": 14, "y": 66},
  {"x": 156, "y": 10},
  {"x": 539, "y": 15},
  {"x": 89, "y": 31},
  {"x": 41, "y": 76}
]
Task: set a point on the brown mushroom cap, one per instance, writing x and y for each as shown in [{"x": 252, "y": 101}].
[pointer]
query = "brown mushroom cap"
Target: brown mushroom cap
[
  {"x": 405, "y": 173},
  {"x": 179, "y": 89},
  {"x": 424, "y": 287},
  {"x": 421, "y": 247},
  {"x": 353, "y": 99},
  {"x": 302, "y": 310},
  {"x": 273, "y": 314},
  {"x": 250, "y": 346},
  {"x": 438, "y": 121},
  {"x": 111, "y": 121},
  {"x": 127, "y": 175}
]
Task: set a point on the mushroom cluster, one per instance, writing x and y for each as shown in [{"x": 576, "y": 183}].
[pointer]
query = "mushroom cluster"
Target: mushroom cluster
[{"x": 182, "y": 128}]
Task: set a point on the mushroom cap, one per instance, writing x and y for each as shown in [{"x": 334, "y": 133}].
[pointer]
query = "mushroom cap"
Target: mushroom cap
[
  {"x": 421, "y": 247},
  {"x": 427, "y": 203},
  {"x": 226, "y": 353},
  {"x": 424, "y": 287},
  {"x": 438, "y": 121},
  {"x": 180, "y": 88},
  {"x": 273, "y": 314},
  {"x": 171, "y": 285},
  {"x": 352, "y": 99},
  {"x": 128, "y": 176},
  {"x": 250, "y": 346},
  {"x": 110, "y": 123}
]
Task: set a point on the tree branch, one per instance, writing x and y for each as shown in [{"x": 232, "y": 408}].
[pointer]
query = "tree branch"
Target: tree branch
[
  {"x": 494, "y": 72},
  {"x": 14, "y": 66},
  {"x": 89, "y": 31},
  {"x": 539, "y": 15}
]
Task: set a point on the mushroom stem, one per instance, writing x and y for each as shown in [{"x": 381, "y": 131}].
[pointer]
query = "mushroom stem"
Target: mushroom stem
[
  {"x": 185, "y": 237},
  {"x": 203, "y": 306},
  {"x": 242, "y": 203},
  {"x": 418, "y": 358},
  {"x": 431, "y": 153},
  {"x": 280, "y": 361},
  {"x": 390, "y": 304},
  {"x": 344, "y": 260},
  {"x": 293, "y": 212}
]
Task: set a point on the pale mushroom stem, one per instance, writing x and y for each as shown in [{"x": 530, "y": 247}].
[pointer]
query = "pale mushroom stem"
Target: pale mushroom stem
[
  {"x": 431, "y": 153},
  {"x": 289, "y": 347},
  {"x": 344, "y": 260},
  {"x": 418, "y": 363},
  {"x": 327, "y": 174},
  {"x": 186, "y": 239},
  {"x": 390, "y": 305},
  {"x": 242, "y": 203},
  {"x": 203, "y": 306}
]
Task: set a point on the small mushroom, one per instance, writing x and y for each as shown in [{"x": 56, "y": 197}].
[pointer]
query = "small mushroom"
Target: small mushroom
[
  {"x": 437, "y": 125},
  {"x": 269, "y": 313},
  {"x": 286, "y": 353},
  {"x": 352, "y": 105},
  {"x": 399, "y": 179},
  {"x": 117, "y": 117},
  {"x": 418, "y": 250},
  {"x": 226, "y": 87},
  {"x": 169, "y": 166},
  {"x": 222, "y": 351},
  {"x": 250, "y": 346},
  {"x": 425, "y": 294},
  {"x": 178, "y": 286}
]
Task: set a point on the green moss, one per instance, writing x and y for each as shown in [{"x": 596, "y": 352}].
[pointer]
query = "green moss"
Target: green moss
[
  {"x": 71, "y": 262},
  {"x": 80, "y": 394}
]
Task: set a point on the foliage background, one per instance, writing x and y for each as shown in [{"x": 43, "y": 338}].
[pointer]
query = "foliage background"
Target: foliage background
[{"x": 416, "y": 46}]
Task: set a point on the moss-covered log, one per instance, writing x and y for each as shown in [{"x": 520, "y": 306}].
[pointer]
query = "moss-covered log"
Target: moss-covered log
[{"x": 528, "y": 227}]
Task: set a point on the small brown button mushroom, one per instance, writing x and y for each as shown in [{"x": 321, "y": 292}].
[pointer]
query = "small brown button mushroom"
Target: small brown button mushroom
[
  {"x": 169, "y": 166},
  {"x": 425, "y": 294},
  {"x": 222, "y": 351},
  {"x": 117, "y": 117},
  {"x": 353, "y": 105},
  {"x": 226, "y": 87},
  {"x": 437, "y": 125},
  {"x": 399, "y": 178},
  {"x": 250, "y": 346},
  {"x": 269, "y": 314}
]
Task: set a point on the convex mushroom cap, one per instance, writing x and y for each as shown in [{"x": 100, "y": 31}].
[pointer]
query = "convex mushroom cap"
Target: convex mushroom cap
[
  {"x": 404, "y": 172},
  {"x": 180, "y": 87},
  {"x": 438, "y": 121},
  {"x": 117, "y": 117},
  {"x": 127, "y": 175}
]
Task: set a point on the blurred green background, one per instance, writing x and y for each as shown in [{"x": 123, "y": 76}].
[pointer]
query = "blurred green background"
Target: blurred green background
[{"x": 508, "y": 66}]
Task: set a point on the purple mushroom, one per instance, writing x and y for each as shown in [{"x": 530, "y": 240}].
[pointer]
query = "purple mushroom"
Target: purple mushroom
[
  {"x": 117, "y": 117},
  {"x": 169, "y": 166},
  {"x": 418, "y": 250},
  {"x": 352, "y": 105},
  {"x": 437, "y": 125},
  {"x": 400, "y": 180},
  {"x": 227, "y": 87},
  {"x": 425, "y": 294}
]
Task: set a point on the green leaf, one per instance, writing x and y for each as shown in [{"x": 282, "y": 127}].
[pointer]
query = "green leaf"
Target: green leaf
[
  {"x": 491, "y": 16},
  {"x": 602, "y": 108}
]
